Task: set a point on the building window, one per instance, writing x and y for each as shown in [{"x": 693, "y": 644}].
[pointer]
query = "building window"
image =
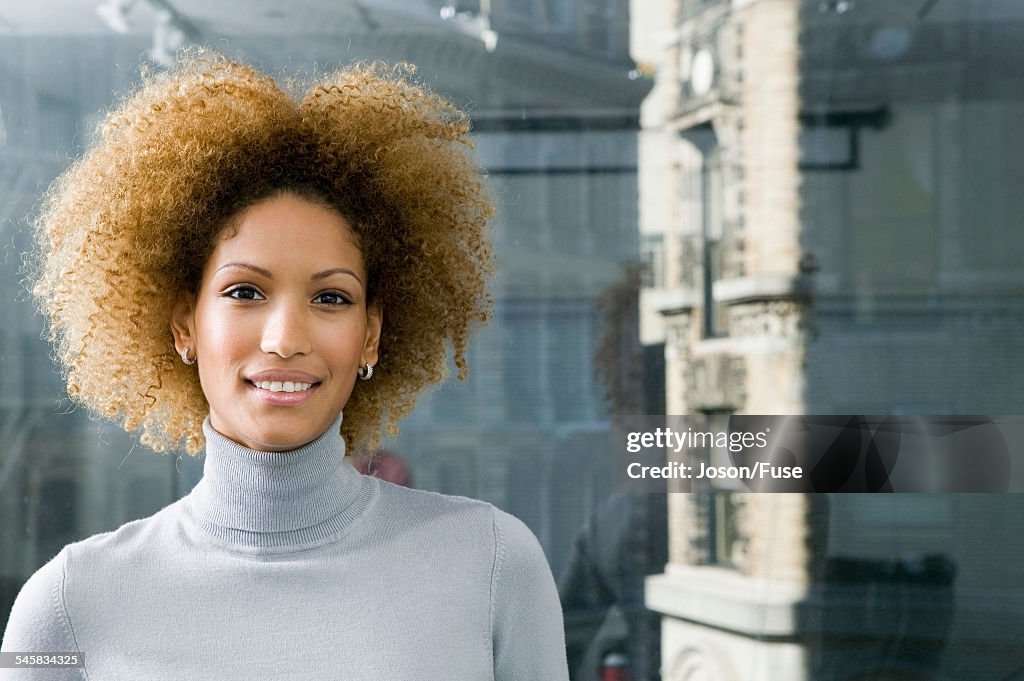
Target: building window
[
  {"x": 652, "y": 254},
  {"x": 723, "y": 545},
  {"x": 525, "y": 362},
  {"x": 712, "y": 227},
  {"x": 558, "y": 12},
  {"x": 720, "y": 499},
  {"x": 523, "y": 9},
  {"x": 542, "y": 15}
]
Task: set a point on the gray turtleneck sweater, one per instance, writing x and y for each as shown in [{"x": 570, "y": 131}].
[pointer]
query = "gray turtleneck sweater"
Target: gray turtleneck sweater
[{"x": 294, "y": 566}]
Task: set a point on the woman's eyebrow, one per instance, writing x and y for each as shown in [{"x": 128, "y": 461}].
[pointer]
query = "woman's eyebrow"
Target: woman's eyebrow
[
  {"x": 266, "y": 273},
  {"x": 247, "y": 266},
  {"x": 336, "y": 270}
]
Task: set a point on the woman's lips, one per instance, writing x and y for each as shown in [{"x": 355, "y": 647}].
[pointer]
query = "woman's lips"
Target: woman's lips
[
  {"x": 282, "y": 375},
  {"x": 283, "y": 398}
]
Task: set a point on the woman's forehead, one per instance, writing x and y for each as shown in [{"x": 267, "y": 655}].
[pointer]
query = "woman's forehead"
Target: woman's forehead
[{"x": 288, "y": 231}]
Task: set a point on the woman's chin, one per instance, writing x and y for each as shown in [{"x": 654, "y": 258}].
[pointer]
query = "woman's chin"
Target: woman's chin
[{"x": 275, "y": 432}]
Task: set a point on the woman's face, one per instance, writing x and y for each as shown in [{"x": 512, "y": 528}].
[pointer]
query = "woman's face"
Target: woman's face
[{"x": 280, "y": 324}]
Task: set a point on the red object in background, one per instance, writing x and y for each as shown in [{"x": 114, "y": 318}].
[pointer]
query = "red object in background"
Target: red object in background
[
  {"x": 387, "y": 466},
  {"x": 615, "y": 667}
]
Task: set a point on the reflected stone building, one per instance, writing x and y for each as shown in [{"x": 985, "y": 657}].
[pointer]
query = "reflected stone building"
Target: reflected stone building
[{"x": 830, "y": 193}]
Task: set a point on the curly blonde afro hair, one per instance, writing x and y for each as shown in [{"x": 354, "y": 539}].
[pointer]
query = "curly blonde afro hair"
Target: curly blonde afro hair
[{"x": 128, "y": 228}]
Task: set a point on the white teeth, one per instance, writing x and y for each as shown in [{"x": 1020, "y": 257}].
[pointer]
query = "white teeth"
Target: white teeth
[{"x": 282, "y": 386}]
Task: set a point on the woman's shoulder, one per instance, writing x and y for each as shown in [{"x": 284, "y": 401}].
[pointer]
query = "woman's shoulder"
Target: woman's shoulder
[
  {"x": 506, "y": 533},
  {"x": 40, "y": 618},
  {"x": 431, "y": 511},
  {"x": 134, "y": 543},
  {"x": 427, "y": 503}
]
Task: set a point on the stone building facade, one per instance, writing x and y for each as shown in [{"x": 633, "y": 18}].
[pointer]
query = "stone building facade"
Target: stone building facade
[{"x": 827, "y": 224}]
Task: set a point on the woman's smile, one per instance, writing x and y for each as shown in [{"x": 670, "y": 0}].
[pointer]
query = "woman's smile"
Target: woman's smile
[
  {"x": 284, "y": 397},
  {"x": 283, "y": 388}
]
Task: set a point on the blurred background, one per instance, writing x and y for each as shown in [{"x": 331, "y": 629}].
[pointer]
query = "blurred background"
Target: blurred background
[{"x": 705, "y": 207}]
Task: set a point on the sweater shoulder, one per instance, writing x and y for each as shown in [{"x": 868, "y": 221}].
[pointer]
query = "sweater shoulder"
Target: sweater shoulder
[
  {"x": 462, "y": 522},
  {"x": 106, "y": 553},
  {"x": 133, "y": 531},
  {"x": 514, "y": 545},
  {"x": 38, "y": 619},
  {"x": 519, "y": 556},
  {"x": 418, "y": 502}
]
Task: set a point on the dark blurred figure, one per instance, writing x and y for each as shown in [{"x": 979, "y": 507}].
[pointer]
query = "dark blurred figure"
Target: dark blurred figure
[
  {"x": 625, "y": 539},
  {"x": 385, "y": 465}
]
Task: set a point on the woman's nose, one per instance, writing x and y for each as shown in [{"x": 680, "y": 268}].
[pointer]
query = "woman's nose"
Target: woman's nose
[{"x": 285, "y": 331}]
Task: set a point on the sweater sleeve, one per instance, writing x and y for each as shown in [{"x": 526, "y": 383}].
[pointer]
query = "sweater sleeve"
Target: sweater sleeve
[
  {"x": 39, "y": 624},
  {"x": 528, "y": 637}
]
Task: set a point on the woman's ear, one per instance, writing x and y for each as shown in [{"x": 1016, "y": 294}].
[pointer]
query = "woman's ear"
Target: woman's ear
[
  {"x": 374, "y": 322},
  {"x": 183, "y": 323}
]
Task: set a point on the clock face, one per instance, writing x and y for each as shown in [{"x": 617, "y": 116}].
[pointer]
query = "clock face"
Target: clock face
[{"x": 702, "y": 72}]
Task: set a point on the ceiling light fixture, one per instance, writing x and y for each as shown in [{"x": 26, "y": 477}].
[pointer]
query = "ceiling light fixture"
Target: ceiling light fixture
[
  {"x": 476, "y": 24},
  {"x": 169, "y": 36},
  {"x": 115, "y": 14},
  {"x": 171, "y": 32}
]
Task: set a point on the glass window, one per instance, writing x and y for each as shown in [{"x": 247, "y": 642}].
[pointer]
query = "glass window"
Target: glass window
[{"x": 833, "y": 229}]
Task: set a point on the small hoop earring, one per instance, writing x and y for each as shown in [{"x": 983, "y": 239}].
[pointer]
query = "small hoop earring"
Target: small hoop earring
[
  {"x": 184, "y": 356},
  {"x": 365, "y": 373}
]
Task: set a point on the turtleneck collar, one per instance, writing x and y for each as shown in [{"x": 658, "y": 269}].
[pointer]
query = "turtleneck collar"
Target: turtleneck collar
[{"x": 276, "y": 502}]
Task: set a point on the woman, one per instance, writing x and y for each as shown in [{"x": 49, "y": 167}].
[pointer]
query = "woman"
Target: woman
[{"x": 314, "y": 260}]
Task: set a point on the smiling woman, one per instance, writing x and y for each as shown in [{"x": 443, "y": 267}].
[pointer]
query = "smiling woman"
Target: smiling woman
[
  {"x": 131, "y": 226},
  {"x": 281, "y": 324},
  {"x": 221, "y": 270}
]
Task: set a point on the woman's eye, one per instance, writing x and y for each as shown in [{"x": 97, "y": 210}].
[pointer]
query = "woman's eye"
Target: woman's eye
[
  {"x": 243, "y": 293},
  {"x": 332, "y": 298}
]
